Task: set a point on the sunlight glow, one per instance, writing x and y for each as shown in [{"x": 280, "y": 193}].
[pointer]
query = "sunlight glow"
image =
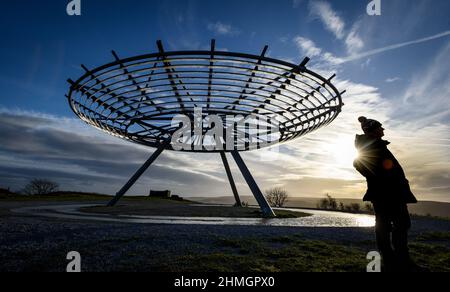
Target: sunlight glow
[{"x": 344, "y": 152}]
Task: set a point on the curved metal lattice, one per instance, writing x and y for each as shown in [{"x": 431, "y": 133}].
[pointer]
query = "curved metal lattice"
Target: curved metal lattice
[{"x": 137, "y": 98}]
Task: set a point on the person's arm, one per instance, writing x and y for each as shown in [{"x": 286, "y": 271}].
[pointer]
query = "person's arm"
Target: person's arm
[
  {"x": 396, "y": 171},
  {"x": 364, "y": 167}
]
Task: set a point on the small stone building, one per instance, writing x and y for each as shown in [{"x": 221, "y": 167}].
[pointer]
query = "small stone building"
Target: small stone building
[{"x": 160, "y": 194}]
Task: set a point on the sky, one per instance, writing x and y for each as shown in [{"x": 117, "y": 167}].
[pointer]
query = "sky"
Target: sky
[{"x": 395, "y": 68}]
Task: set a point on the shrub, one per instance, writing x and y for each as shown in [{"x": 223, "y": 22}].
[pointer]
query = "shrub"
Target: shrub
[
  {"x": 276, "y": 197},
  {"x": 369, "y": 208},
  {"x": 328, "y": 203},
  {"x": 355, "y": 207}
]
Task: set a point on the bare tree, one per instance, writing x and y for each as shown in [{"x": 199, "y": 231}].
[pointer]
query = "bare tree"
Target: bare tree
[
  {"x": 276, "y": 197},
  {"x": 40, "y": 187}
]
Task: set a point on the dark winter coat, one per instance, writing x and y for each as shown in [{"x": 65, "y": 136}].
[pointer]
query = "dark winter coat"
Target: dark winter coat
[{"x": 386, "y": 181}]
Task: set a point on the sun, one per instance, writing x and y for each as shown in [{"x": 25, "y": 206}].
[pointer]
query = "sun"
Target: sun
[{"x": 344, "y": 151}]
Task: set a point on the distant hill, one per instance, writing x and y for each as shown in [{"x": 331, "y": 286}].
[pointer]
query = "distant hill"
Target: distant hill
[
  {"x": 74, "y": 194},
  {"x": 423, "y": 208},
  {"x": 59, "y": 195}
]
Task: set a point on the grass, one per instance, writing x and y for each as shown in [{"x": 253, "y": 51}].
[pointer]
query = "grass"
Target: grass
[
  {"x": 164, "y": 207},
  {"x": 435, "y": 237},
  {"x": 295, "y": 254},
  {"x": 436, "y": 257},
  {"x": 245, "y": 253},
  {"x": 55, "y": 197},
  {"x": 415, "y": 216},
  {"x": 140, "y": 205},
  {"x": 276, "y": 254}
]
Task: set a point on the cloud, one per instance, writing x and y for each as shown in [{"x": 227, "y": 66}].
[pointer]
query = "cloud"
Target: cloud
[
  {"x": 329, "y": 59},
  {"x": 426, "y": 98},
  {"x": 82, "y": 158},
  {"x": 393, "y": 47},
  {"x": 307, "y": 46},
  {"x": 321, "y": 162},
  {"x": 425, "y": 153},
  {"x": 310, "y": 49},
  {"x": 366, "y": 63},
  {"x": 417, "y": 122},
  {"x": 222, "y": 29},
  {"x": 352, "y": 39},
  {"x": 79, "y": 157},
  {"x": 336, "y": 25},
  {"x": 331, "y": 20},
  {"x": 353, "y": 42},
  {"x": 392, "y": 80}
]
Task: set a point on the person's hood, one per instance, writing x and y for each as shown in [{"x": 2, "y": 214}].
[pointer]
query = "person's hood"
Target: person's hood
[{"x": 363, "y": 141}]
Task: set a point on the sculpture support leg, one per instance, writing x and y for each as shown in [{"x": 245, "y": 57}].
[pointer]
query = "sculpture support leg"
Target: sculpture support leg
[
  {"x": 136, "y": 176},
  {"x": 230, "y": 179},
  {"x": 264, "y": 205}
]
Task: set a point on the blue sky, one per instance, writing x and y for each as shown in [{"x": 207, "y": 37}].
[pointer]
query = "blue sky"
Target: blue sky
[{"x": 395, "y": 68}]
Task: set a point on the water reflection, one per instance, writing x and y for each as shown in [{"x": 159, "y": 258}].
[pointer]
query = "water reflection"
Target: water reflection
[{"x": 317, "y": 218}]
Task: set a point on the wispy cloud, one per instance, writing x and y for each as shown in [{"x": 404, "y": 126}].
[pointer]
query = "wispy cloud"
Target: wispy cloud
[
  {"x": 394, "y": 47},
  {"x": 331, "y": 20},
  {"x": 426, "y": 97},
  {"x": 353, "y": 42},
  {"x": 223, "y": 29},
  {"x": 393, "y": 79},
  {"x": 337, "y": 26},
  {"x": 307, "y": 46},
  {"x": 352, "y": 39}
]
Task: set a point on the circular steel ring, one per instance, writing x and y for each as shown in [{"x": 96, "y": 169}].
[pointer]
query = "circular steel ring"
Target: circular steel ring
[{"x": 138, "y": 98}]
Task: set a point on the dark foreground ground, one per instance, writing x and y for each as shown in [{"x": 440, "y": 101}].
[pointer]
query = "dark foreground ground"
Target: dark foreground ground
[{"x": 41, "y": 244}]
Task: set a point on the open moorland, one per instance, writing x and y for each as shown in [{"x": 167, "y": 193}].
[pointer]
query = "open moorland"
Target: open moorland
[{"x": 38, "y": 243}]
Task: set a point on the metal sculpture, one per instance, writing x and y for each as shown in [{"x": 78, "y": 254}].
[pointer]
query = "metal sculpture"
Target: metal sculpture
[{"x": 138, "y": 99}]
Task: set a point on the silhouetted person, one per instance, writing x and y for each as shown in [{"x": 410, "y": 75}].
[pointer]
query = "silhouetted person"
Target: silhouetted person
[{"x": 389, "y": 191}]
